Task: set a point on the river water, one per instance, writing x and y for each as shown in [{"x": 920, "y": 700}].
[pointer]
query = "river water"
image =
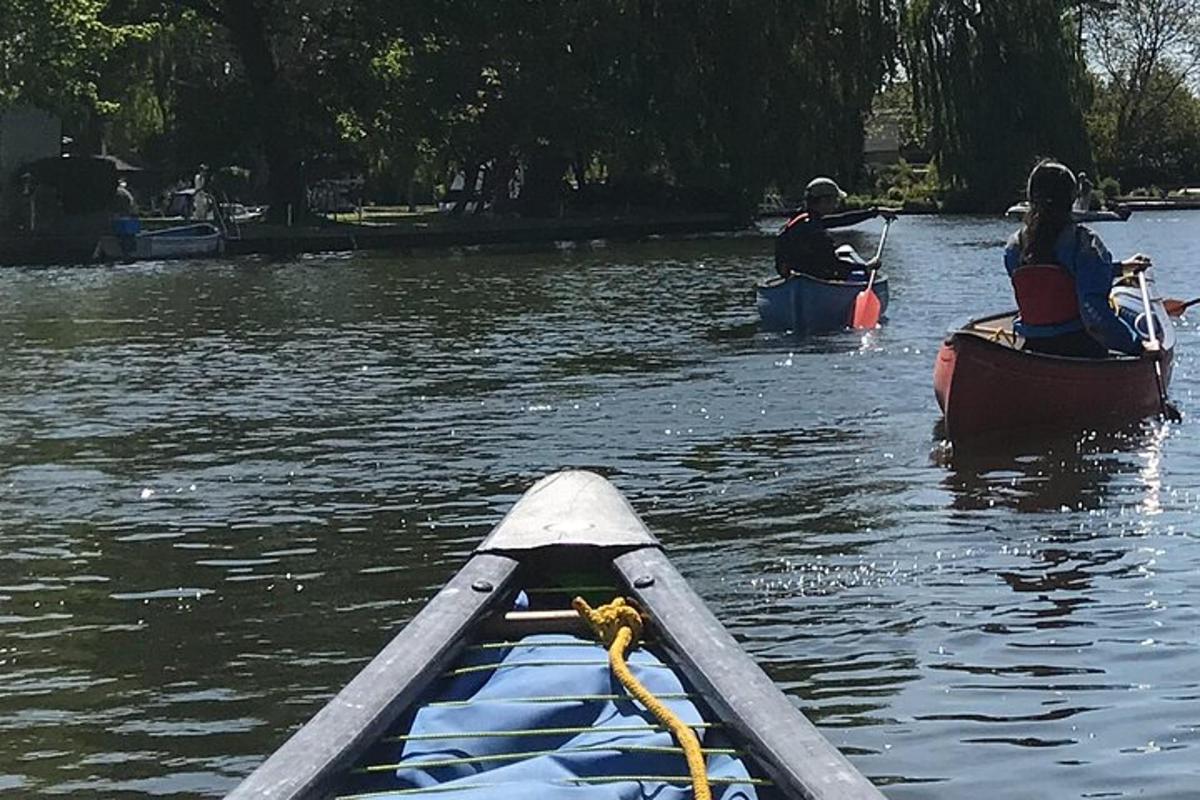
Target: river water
[{"x": 224, "y": 485}]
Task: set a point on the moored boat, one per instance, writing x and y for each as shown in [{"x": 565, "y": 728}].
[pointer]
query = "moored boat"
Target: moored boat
[
  {"x": 986, "y": 384},
  {"x": 805, "y": 305},
  {"x": 200, "y": 239},
  {"x": 182, "y": 241},
  {"x": 1119, "y": 214},
  {"x": 499, "y": 689}
]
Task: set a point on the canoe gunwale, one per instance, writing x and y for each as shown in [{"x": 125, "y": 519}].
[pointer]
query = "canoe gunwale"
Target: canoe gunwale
[
  {"x": 976, "y": 372},
  {"x": 785, "y": 745},
  {"x": 972, "y": 333},
  {"x": 309, "y": 763},
  {"x": 778, "y": 281}
]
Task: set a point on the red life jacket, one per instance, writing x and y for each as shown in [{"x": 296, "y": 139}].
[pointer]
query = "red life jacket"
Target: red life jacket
[{"x": 1045, "y": 294}]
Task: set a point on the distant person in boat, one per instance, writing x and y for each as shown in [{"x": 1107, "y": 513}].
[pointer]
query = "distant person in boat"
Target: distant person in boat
[
  {"x": 804, "y": 245},
  {"x": 1062, "y": 274}
]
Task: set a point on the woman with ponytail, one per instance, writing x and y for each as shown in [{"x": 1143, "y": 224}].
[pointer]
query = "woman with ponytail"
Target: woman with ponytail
[{"x": 1062, "y": 274}]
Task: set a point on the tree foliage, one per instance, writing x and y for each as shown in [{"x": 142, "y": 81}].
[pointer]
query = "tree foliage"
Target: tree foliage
[
  {"x": 1163, "y": 151},
  {"x": 1145, "y": 121},
  {"x": 699, "y": 104},
  {"x": 52, "y": 53},
  {"x": 998, "y": 84}
]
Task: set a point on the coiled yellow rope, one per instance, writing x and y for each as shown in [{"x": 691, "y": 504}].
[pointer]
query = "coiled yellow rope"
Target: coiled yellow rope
[{"x": 619, "y": 625}]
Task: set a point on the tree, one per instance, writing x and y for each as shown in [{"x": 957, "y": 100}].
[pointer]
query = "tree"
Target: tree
[
  {"x": 52, "y": 53},
  {"x": 1166, "y": 152},
  {"x": 998, "y": 84},
  {"x": 283, "y": 47},
  {"x": 700, "y": 104},
  {"x": 1148, "y": 55},
  {"x": 656, "y": 102}
]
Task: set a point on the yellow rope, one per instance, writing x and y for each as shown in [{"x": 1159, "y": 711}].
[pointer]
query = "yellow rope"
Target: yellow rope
[{"x": 618, "y": 624}]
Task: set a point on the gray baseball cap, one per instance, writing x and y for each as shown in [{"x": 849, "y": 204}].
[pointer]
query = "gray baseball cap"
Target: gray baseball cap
[{"x": 823, "y": 187}]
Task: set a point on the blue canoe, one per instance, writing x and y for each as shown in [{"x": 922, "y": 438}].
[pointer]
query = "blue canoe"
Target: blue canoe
[
  {"x": 804, "y": 305},
  {"x": 129, "y": 242},
  {"x": 497, "y": 690}
]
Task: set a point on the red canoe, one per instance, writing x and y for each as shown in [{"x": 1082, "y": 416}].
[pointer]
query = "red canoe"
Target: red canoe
[{"x": 986, "y": 384}]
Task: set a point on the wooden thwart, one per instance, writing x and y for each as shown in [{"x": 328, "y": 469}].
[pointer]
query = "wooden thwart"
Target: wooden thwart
[{"x": 515, "y": 624}]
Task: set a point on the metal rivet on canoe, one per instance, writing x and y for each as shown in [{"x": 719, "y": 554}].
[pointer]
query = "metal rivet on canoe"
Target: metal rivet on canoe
[
  {"x": 643, "y": 581},
  {"x": 482, "y": 586}
]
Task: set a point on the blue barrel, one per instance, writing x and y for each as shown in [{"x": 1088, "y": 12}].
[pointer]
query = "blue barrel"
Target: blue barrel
[{"x": 127, "y": 226}]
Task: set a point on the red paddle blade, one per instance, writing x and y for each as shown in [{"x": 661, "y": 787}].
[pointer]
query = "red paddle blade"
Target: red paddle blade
[
  {"x": 1175, "y": 308},
  {"x": 866, "y": 310}
]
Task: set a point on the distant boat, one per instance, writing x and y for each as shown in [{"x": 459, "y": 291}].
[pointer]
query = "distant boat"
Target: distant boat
[
  {"x": 806, "y": 305},
  {"x": 183, "y": 241},
  {"x": 986, "y": 384},
  {"x": 236, "y": 212},
  {"x": 1119, "y": 214},
  {"x": 499, "y": 688},
  {"x": 185, "y": 204}
]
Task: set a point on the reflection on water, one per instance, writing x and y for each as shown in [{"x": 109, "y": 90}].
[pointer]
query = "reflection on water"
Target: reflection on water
[
  {"x": 1047, "y": 472},
  {"x": 223, "y": 485}
]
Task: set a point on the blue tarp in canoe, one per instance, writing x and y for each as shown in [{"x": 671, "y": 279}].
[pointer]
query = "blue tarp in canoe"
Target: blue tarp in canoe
[{"x": 546, "y": 718}]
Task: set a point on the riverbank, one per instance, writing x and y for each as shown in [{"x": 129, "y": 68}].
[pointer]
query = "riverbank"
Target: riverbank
[
  {"x": 436, "y": 231},
  {"x": 19, "y": 250},
  {"x": 397, "y": 232}
]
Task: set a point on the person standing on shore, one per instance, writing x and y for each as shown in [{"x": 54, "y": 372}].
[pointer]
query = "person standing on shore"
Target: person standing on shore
[
  {"x": 125, "y": 222},
  {"x": 1083, "y": 196},
  {"x": 804, "y": 245}
]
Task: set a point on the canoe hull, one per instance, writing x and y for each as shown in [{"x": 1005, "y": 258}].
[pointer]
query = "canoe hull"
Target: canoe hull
[
  {"x": 569, "y": 524},
  {"x": 986, "y": 387},
  {"x": 187, "y": 241},
  {"x": 184, "y": 241},
  {"x": 805, "y": 305}
]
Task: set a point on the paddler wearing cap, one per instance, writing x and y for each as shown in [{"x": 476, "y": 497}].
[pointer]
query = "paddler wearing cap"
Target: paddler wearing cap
[
  {"x": 804, "y": 245},
  {"x": 1062, "y": 275}
]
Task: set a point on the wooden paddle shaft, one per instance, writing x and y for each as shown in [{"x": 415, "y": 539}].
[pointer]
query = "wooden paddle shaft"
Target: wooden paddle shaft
[
  {"x": 1167, "y": 411},
  {"x": 1150, "y": 329},
  {"x": 882, "y": 238},
  {"x": 878, "y": 252}
]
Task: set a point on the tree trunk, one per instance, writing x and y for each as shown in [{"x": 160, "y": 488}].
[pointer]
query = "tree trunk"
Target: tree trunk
[{"x": 272, "y": 110}]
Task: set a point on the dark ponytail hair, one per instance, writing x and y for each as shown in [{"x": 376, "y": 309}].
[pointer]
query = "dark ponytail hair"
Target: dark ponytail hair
[{"x": 1051, "y": 191}]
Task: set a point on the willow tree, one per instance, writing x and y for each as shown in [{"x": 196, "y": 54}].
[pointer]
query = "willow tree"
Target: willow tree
[
  {"x": 654, "y": 101},
  {"x": 767, "y": 91},
  {"x": 823, "y": 71},
  {"x": 998, "y": 84}
]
